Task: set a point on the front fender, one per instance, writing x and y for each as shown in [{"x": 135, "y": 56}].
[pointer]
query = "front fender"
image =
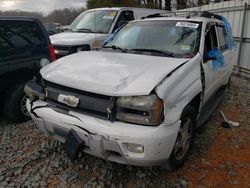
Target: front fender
[{"x": 180, "y": 88}]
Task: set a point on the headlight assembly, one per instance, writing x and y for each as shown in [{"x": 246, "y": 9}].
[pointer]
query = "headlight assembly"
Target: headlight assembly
[{"x": 145, "y": 110}]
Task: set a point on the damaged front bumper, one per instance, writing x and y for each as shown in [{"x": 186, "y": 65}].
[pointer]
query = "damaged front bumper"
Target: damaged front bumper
[{"x": 108, "y": 140}]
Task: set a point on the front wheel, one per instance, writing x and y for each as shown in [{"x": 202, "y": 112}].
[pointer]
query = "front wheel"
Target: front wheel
[
  {"x": 15, "y": 104},
  {"x": 184, "y": 138}
]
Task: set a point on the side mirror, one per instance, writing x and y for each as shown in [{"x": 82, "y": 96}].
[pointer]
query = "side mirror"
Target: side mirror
[{"x": 65, "y": 28}]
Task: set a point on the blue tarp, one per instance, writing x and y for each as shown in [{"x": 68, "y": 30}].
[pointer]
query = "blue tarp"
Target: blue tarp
[
  {"x": 219, "y": 59},
  {"x": 230, "y": 40}
]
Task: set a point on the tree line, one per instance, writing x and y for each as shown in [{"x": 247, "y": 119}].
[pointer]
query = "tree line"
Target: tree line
[
  {"x": 158, "y": 4},
  {"x": 67, "y": 15},
  {"x": 63, "y": 16}
]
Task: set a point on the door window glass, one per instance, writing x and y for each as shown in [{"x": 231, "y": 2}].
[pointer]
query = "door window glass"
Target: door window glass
[{"x": 222, "y": 37}]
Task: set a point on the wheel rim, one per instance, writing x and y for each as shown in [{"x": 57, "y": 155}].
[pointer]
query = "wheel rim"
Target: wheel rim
[
  {"x": 23, "y": 106},
  {"x": 183, "y": 139}
]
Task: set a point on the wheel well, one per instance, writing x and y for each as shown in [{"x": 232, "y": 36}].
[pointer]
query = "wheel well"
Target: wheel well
[
  {"x": 14, "y": 86},
  {"x": 195, "y": 102}
]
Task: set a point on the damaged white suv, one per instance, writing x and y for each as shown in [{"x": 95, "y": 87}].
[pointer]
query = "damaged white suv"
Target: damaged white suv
[{"x": 137, "y": 100}]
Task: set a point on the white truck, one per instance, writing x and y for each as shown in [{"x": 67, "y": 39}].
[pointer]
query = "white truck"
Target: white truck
[
  {"x": 139, "y": 99},
  {"x": 92, "y": 27}
]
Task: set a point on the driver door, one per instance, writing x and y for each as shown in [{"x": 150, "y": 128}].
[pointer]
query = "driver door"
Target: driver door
[{"x": 210, "y": 72}]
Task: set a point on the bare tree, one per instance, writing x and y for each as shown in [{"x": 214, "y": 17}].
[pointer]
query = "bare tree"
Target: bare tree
[
  {"x": 181, "y": 4},
  {"x": 160, "y": 4},
  {"x": 168, "y": 5},
  {"x": 63, "y": 16}
]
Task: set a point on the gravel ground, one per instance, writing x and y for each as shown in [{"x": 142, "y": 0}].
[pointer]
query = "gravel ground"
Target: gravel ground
[{"x": 28, "y": 158}]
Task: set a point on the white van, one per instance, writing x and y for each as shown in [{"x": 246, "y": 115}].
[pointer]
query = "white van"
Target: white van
[{"x": 92, "y": 27}]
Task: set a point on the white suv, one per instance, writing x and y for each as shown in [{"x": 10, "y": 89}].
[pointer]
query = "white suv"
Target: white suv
[{"x": 138, "y": 99}]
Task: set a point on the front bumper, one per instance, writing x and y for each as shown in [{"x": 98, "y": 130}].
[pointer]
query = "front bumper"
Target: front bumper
[{"x": 105, "y": 139}]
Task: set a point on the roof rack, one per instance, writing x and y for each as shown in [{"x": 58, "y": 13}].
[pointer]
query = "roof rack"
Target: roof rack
[
  {"x": 187, "y": 14},
  {"x": 206, "y": 14},
  {"x": 167, "y": 14}
]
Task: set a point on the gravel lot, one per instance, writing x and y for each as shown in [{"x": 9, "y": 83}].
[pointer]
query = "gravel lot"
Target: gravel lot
[{"x": 28, "y": 158}]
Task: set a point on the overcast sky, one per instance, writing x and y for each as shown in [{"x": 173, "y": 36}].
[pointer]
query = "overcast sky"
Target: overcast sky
[{"x": 44, "y": 6}]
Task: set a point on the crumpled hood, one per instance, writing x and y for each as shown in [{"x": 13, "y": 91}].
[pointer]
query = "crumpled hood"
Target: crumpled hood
[
  {"x": 113, "y": 74},
  {"x": 72, "y": 38}
]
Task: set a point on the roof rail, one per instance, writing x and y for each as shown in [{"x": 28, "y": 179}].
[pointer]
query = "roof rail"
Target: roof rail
[
  {"x": 206, "y": 14},
  {"x": 156, "y": 15},
  {"x": 187, "y": 14}
]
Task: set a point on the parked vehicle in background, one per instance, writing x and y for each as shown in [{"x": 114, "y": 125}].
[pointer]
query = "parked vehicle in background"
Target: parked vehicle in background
[
  {"x": 139, "y": 99},
  {"x": 53, "y": 28},
  {"x": 24, "y": 49},
  {"x": 65, "y": 27},
  {"x": 93, "y": 26}
]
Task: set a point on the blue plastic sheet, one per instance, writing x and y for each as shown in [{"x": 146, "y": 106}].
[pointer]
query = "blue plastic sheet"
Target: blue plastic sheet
[
  {"x": 230, "y": 41},
  {"x": 110, "y": 38},
  {"x": 219, "y": 59}
]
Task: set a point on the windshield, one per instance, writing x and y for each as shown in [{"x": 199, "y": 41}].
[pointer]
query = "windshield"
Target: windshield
[
  {"x": 98, "y": 21},
  {"x": 175, "y": 38}
]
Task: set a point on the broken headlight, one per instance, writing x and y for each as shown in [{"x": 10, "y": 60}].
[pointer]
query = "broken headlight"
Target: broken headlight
[
  {"x": 145, "y": 110},
  {"x": 34, "y": 90}
]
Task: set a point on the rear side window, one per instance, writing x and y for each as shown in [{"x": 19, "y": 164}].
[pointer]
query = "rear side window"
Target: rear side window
[
  {"x": 222, "y": 37},
  {"x": 18, "y": 38}
]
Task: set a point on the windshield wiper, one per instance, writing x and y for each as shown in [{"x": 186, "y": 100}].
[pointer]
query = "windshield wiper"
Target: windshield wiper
[
  {"x": 170, "y": 54},
  {"x": 116, "y": 48},
  {"x": 84, "y": 30}
]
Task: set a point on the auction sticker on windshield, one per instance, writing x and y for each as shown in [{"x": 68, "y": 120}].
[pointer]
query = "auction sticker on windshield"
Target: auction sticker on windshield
[
  {"x": 187, "y": 24},
  {"x": 185, "y": 47},
  {"x": 108, "y": 17}
]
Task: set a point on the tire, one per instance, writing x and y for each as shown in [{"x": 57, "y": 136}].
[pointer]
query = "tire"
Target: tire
[
  {"x": 184, "y": 139},
  {"x": 15, "y": 105},
  {"x": 229, "y": 82}
]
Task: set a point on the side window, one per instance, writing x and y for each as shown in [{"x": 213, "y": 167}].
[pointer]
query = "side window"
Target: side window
[
  {"x": 222, "y": 37},
  {"x": 19, "y": 37},
  {"x": 210, "y": 40},
  {"x": 124, "y": 17}
]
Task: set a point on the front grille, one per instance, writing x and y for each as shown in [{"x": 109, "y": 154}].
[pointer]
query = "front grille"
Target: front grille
[
  {"x": 65, "y": 48},
  {"x": 89, "y": 103}
]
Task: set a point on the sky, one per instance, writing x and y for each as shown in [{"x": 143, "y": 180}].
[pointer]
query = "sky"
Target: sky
[{"x": 44, "y": 6}]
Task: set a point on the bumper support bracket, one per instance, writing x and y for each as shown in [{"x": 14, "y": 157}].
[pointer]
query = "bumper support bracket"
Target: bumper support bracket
[{"x": 73, "y": 145}]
